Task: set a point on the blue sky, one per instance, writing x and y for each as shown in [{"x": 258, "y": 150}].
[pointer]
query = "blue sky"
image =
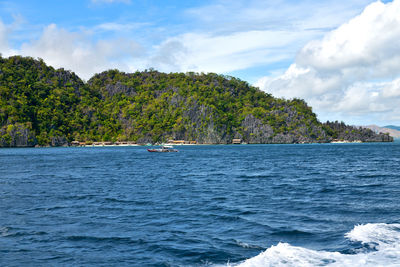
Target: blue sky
[{"x": 331, "y": 53}]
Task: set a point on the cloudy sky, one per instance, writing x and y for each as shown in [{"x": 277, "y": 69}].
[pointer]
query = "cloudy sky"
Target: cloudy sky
[{"x": 342, "y": 57}]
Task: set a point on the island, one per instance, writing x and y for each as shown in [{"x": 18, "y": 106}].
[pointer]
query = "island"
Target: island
[{"x": 43, "y": 106}]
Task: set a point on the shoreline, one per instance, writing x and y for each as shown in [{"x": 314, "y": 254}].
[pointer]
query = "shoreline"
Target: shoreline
[{"x": 178, "y": 145}]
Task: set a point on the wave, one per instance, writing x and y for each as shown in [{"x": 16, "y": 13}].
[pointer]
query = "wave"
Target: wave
[
  {"x": 381, "y": 242},
  {"x": 246, "y": 245},
  {"x": 15, "y": 232}
]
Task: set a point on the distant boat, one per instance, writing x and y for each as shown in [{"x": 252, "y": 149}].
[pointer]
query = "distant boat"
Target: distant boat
[{"x": 163, "y": 149}]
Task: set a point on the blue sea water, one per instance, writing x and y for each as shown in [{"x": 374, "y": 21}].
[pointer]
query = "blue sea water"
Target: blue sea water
[{"x": 247, "y": 205}]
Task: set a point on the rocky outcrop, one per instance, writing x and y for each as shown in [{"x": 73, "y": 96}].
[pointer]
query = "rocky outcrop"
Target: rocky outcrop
[
  {"x": 341, "y": 131},
  {"x": 58, "y": 141},
  {"x": 255, "y": 132},
  {"x": 17, "y": 135}
]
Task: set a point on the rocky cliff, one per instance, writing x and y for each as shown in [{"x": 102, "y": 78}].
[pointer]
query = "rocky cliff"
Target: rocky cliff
[{"x": 341, "y": 131}]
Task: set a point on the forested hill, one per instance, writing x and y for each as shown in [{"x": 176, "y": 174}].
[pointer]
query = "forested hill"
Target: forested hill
[{"x": 43, "y": 106}]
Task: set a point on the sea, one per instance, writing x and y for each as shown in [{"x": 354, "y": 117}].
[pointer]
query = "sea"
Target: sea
[{"x": 207, "y": 205}]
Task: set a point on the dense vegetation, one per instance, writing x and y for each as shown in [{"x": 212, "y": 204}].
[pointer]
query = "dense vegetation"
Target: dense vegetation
[{"x": 44, "y": 106}]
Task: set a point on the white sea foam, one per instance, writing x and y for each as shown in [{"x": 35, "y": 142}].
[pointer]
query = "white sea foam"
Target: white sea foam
[{"x": 384, "y": 238}]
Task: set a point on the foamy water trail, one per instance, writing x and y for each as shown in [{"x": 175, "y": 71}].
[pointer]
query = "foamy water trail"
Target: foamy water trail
[{"x": 384, "y": 238}]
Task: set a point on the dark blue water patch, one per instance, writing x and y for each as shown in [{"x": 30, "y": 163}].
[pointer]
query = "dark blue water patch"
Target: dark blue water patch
[
  {"x": 103, "y": 239},
  {"x": 293, "y": 233},
  {"x": 204, "y": 205}
]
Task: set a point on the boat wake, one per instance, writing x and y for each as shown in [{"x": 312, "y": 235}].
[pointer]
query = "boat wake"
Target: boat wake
[{"x": 382, "y": 241}]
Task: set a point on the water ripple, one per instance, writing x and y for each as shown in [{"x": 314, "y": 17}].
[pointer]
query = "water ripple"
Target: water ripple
[{"x": 206, "y": 205}]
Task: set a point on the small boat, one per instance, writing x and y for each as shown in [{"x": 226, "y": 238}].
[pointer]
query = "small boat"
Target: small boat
[{"x": 163, "y": 149}]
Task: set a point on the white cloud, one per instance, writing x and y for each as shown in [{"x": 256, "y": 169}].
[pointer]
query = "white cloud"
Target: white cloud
[
  {"x": 368, "y": 40},
  {"x": 61, "y": 48},
  {"x": 3, "y": 37},
  {"x": 5, "y": 32},
  {"x": 224, "y": 53},
  {"x": 225, "y": 40},
  {"x": 343, "y": 72},
  {"x": 223, "y": 15}
]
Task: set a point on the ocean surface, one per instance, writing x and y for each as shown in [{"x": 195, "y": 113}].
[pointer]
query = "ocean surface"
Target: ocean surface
[{"x": 244, "y": 205}]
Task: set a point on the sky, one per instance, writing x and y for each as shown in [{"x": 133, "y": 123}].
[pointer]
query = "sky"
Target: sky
[{"x": 342, "y": 57}]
